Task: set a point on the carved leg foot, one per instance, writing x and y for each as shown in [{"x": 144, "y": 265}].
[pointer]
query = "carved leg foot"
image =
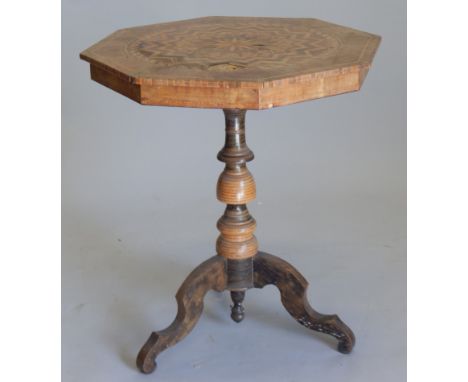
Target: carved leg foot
[
  {"x": 269, "y": 269},
  {"x": 211, "y": 274},
  {"x": 237, "y": 310}
]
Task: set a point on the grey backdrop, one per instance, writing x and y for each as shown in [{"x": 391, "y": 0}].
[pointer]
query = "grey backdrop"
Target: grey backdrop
[{"x": 139, "y": 211}]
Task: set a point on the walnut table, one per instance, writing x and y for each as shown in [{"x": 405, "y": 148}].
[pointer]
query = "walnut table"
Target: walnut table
[{"x": 235, "y": 64}]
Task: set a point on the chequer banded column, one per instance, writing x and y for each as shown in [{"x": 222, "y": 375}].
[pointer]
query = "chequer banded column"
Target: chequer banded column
[{"x": 236, "y": 187}]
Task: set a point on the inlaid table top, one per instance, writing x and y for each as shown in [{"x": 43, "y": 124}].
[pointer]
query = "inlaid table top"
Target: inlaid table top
[{"x": 232, "y": 62}]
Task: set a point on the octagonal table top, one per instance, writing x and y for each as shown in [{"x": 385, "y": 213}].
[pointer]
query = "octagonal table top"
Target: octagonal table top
[{"x": 232, "y": 62}]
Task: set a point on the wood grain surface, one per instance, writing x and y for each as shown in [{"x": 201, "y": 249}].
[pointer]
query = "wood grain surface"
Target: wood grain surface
[{"x": 232, "y": 62}]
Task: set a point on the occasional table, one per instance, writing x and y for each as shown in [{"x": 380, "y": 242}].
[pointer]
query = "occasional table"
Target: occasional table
[{"x": 235, "y": 64}]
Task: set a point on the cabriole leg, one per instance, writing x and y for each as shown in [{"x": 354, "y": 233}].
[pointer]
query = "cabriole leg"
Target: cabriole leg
[
  {"x": 269, "y": 269},
  {"x": 211, "y": 274}
]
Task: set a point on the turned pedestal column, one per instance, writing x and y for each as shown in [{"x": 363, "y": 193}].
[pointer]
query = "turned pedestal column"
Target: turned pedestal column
[
  {"x": 236, "y": 187},
  {"x": 238, "y": 264}
]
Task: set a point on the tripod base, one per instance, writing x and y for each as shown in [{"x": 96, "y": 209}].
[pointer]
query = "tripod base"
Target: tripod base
[{"x": 212, "y": 274}]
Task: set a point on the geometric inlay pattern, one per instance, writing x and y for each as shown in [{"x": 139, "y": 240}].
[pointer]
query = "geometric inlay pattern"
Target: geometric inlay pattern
[
  {"x": 232, "y": 52},
  {"x": 237, "y": 44}
]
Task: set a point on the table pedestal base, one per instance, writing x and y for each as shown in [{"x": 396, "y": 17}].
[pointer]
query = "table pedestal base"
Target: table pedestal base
[
  {"x": 213, "y": 275},
  {"x": 239, "y": 265}
]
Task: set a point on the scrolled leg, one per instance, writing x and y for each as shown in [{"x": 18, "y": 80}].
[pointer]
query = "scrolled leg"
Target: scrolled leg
[
  {"x": 211, "y": 274},
  {"x": 269, "y": 269}
]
